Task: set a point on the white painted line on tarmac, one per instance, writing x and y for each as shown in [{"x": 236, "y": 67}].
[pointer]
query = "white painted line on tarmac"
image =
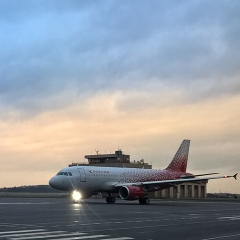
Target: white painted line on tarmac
[
  {"x": 230, "y": 218},
  {"x": 52, "y": 235},
  {"x": 16, "y": 225},
  {"x": 220, "y": 237},
  {"x": 29, "y": 234},
  {"x": 21, "y": 231},
  {"x": 84, "y": 237},
  {"x": 120, "y": 238}
]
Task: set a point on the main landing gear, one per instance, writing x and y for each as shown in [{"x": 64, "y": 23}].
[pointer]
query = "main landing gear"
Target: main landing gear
[
  {"x": 144, "y": 200},
  {"x": 110, "y": 199}
]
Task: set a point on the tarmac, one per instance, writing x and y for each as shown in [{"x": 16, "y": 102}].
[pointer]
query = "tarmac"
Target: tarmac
[{"x": 59, "y": 218}]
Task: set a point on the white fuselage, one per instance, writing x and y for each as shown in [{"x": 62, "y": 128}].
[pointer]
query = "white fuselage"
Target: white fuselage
[{"x": 99, "y": 179}]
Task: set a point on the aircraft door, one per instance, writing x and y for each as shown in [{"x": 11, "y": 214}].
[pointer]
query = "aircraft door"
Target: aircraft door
[{"x": 82, "y": 175}]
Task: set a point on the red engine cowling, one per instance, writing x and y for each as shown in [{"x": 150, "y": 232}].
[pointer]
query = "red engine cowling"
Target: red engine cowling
[{"x": 131, "y": 192}]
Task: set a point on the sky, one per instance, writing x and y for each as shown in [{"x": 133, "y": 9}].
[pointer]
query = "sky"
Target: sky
[{"x": 80, "y": 76}]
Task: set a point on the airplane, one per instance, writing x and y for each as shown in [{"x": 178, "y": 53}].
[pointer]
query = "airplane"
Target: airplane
[{"x": 127, "y": 183}]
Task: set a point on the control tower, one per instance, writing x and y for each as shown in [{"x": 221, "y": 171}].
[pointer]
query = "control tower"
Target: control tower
[{"x": 118, "y": 159}]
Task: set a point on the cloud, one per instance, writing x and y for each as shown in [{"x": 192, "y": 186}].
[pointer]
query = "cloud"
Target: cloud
[{"x": 107, "y": 46}]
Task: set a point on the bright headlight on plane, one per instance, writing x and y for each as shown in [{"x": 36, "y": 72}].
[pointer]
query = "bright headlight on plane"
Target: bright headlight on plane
[{"x": 76, "y": 196}]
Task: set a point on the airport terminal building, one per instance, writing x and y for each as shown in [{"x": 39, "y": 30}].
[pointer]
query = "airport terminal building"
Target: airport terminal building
[{"x": 118, "y": 159}]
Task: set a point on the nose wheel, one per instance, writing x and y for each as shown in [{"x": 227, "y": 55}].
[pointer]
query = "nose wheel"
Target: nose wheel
[{"x": 110, "y": 199}]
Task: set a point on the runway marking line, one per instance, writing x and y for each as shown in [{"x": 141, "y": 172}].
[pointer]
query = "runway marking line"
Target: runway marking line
[
  {"x": 53, "y": 235},
  {"x": 230, "y": 218},
  {"x": 21, "y": 231},
  {"x": 43, "y": 234},
  {"x": 84, "y": 237},
  {"x": 130, "y": 221},
  {"x": 16, "y": 225},
  {"x": 163, "y": 225},
  {"x": 120, "y": 238},
  {"x": 29, "y": 234},
  {"x": 226, "y": 236}
]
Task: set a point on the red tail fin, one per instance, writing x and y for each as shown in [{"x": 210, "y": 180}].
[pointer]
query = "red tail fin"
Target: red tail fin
[{"x": 179, "y": 162}]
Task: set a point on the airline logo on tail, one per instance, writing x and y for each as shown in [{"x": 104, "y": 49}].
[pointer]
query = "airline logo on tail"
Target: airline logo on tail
[{"x": 179, "y": 162}]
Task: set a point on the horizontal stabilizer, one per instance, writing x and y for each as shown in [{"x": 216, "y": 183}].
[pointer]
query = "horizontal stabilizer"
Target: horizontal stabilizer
[{"x": 234, "y": 176}]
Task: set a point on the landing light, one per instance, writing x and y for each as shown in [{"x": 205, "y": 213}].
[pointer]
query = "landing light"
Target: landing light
[{"x": 76, "y": 196}]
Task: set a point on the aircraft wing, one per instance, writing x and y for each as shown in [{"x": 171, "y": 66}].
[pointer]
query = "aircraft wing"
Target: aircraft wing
[
  {"x": 172, "y": 181},
  {"x": 198, "y": 175}
]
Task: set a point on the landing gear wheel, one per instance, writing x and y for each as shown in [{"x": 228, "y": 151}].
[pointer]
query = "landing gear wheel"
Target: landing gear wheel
[
  {"x": 144, "y": 200},
  {"x": 110, "y": 199}
]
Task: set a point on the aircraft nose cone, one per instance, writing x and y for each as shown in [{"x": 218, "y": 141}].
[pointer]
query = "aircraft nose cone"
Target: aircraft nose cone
[
  {"x": 60, "y": 183},
  {"x": 54, "y": 183}
]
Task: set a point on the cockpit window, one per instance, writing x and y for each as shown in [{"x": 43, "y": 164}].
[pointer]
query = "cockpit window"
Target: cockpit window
[{"x": 65, "y": 173}]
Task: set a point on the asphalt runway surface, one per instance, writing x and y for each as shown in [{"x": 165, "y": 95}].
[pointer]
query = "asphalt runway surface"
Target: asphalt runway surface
[{"x": 59, "y": 218}]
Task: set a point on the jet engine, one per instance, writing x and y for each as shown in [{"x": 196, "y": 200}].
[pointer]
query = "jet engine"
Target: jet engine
[{"x": 131, "y": 192}]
